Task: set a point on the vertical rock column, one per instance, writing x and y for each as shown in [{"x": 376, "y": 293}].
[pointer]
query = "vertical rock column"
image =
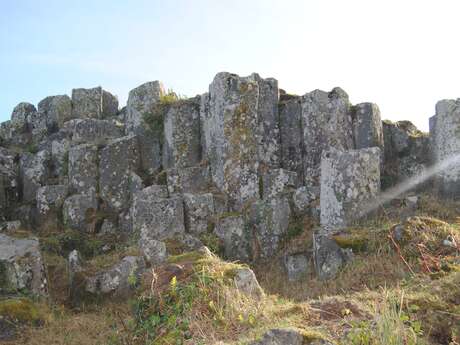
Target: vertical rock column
[
  {"x": 445, "y": 131},
  {"x": 142, "y": 104},
  {"x": 241, "y": 134},
  {"x": 327, "y": 123}
]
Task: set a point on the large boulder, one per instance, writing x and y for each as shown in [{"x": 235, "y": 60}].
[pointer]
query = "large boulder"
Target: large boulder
[
  {"x": 119, "y": 161},
  {"x": 21, "y": 266},
  {"x": 327, "y": 123},
  {"x": 367, "y": 126},
  {"x": 79, "y": 212},
  {"x": 199, "y": 210},
  {"x": 57, "y": 109},
  {"x": 83, "y": 169},
  {"x": 349, "y": 181},
  {"x": 446, "y": 146},
  {"x": 241, "y": 133},
  {"x": 34, "y": 172},
  {"x": 182, "y": 146},
  {"x": 93, "y": 103}
]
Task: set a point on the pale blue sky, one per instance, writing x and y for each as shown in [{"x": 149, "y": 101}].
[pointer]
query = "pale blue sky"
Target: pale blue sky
[{"x": 402, "y": 55}]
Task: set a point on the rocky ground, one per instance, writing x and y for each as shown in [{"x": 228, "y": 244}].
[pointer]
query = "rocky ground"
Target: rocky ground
[{"x": 245, "y": 215}]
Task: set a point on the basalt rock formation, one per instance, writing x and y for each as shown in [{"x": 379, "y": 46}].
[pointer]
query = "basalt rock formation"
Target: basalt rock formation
[{"x": 241, "y": 163}]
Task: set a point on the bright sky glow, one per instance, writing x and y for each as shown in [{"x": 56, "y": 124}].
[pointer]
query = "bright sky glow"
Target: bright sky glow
[{"x": 403, "y": 55}]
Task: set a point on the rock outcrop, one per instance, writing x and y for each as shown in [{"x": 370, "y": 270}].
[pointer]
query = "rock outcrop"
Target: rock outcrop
[{"x": 241, "y": 165}]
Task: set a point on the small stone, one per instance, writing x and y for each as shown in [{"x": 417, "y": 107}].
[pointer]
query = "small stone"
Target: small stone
[
  {"x": 246, "y": 281},
  {"x": 297, "y": 266},
  {"x": 328, "y": 257},
  {"x": 154, "y": 251}
]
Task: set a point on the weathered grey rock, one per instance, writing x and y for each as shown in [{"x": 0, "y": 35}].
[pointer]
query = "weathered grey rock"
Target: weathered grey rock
[
  {"x": 78, "y": 212},
  {"x": 50, "y": 200},
  {"x": 93, "y": 130},
  {"x": 11, "y": 226},
  {"x": 39, "y": 127},
  {"x": 141, "y": 101},
  {"x": 305, "y": 199},
  {"x": 199, "y": 210},
  {"x": 246, "y": 281},
  {"x": 6, "y": 132},
  {"x": 51, "y": 197},
  {"x": 326, "y": 124},
  {"x": 278, "y": 182},
  {"x": 9, "y": 187},
  {"x": 93, "y": 103},
  {"x": 281, "y": 337},
  {"x": 269, "y": 221},
  {"x": 329, "y": 258},
  {"x": 181, "y": 146},
  {"x": 108, "y": 228},
  {"x": 367, "y": 126},
  {"x": 25, "y": 213},
  {"x": 125, "y": 222},
  {"x": 289, "y": 336},
  {"x": 349, "y": 180},
  {"x": 83, "y": 169},
  {"x": 34, "y": 172},
  {"x": 21, "y": 266},
  {"x": 156, "y": 217},
  {"x": 406, "y": 152},
  {"x": 109, "y": 104},
  {"x": 446, "y": 145},
  {"x": 154, "y": 251},
  {"x": 56, "y": 109},
  {"x": 119, "y": 161},
  {"x": 291, "y": 133},
  {"x": 189, "y": 180},
  {"x": 241, "y": 133},
  {"x": 232, "y": 231},
  {"x": 22, "y": 115},
  {"x": 74, "y": 262},
  {"x": 60, "y": 158},
  {"x": 297, "y": 265},
  {"x": 119, "y": 281}
]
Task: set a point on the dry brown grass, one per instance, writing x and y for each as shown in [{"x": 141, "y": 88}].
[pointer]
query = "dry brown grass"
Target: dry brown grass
[{"x": 92, "y": 327}]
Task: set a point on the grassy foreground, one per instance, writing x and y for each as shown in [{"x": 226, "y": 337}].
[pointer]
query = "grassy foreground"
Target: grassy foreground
[{"x": 393, "y": 292}]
